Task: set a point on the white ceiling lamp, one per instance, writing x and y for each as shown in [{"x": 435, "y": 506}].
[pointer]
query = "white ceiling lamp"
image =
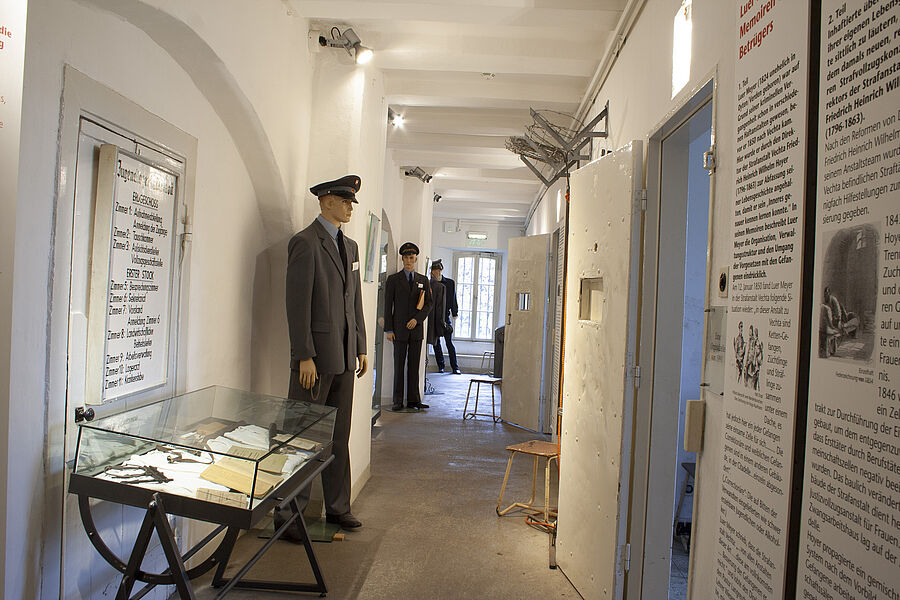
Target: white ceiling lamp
[
  {"x": 476, "y": 235},
  {"x": 395, "y": 118},
  {"x": 349, "y": 41}
]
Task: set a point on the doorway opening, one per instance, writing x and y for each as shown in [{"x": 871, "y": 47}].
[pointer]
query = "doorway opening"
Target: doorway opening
[{"x": 676, "y": 270}]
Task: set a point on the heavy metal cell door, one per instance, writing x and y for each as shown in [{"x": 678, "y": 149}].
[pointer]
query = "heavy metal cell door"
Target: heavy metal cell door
[
  {"x": 598, "y": 386},
  {"x": 523, "y": 350}
]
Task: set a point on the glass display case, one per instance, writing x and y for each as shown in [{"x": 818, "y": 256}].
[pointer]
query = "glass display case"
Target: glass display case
[
  {"x": 215, "y": 444},
  {"x": 219, "y": 455}
]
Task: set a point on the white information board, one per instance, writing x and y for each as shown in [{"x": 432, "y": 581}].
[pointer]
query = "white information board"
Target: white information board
[
  {"x": 850, "y": 536},
  {"x": 771, "y": 71},
  {"x": 131, "y": 276}
]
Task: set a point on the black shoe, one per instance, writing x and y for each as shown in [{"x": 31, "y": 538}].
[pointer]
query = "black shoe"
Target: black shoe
[
  {"x": 456, "y": 371},
  {"x": 292, "y": 533},
  {"x": 346, "y": 521},
  {"x": 419, "y": 405},
  {"x": 397, "y": 408}
]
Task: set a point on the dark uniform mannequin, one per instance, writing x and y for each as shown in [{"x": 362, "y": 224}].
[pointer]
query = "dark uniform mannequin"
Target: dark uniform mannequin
[
  {"x": 328, "y": 331},
  {"x": 407, "y": 302},
  {"x": 450, "y": 307}
]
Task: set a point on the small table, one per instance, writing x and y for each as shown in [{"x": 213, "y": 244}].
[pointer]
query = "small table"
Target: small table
[
  {"x": 492, "y": 381},
  {"x": 538, "y": 449}
]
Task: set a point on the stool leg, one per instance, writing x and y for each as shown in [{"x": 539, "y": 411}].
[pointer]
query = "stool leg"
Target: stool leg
[
  {"x": 477, "y": 389},
  {"x": 547, "y": 491},
  {"x": 503, "y": 487},
  {"x": 493, "y": 410},
  {"x": 466, "y": 407}
]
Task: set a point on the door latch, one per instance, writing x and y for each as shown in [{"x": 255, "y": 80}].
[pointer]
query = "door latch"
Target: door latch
[
  {"x": 84, "y": 414},
  {"x": 709, "y": 159}
]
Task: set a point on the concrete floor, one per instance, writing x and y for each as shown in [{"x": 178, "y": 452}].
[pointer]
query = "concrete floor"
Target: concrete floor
[{"x": 429, "y": 524}]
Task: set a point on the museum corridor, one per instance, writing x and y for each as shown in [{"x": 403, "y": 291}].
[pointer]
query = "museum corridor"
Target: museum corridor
[{"x": 429, "y": 525}]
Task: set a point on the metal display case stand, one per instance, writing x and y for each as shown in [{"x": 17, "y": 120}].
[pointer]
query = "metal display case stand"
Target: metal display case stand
[{"x": 156, "y": 519}]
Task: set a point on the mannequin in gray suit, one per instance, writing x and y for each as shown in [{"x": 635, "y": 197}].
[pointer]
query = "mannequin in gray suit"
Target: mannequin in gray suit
[{"x": 328, "y": 332}]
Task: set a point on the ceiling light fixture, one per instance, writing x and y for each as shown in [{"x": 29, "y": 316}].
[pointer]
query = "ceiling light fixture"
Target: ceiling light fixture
[
  {"x": 395, "y": 118},
  {"x": 476, "y": 235},
  {"x": 418, "y": 173},
  {"x": 349, "y": 41}
]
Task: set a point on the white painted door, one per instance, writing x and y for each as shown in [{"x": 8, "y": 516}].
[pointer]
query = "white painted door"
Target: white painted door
[
  {"x": 523, "y": 350},
  {"x": 598, "y": 386}
]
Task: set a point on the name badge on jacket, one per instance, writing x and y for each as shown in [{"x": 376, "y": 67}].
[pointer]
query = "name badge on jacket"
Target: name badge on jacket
[
  {"x": 355, "y": 266},
  {"x": 420, "y": 286}
]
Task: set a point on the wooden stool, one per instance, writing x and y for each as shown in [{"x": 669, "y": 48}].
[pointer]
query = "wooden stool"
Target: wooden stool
[
  {"x": 537, "y": 449},
  {"x": 478, "y": 381}
]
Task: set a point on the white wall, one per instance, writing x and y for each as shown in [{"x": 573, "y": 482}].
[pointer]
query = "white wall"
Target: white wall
[
  {"x": 227, "y": 236},
  {"x": 639, "y": 94},
  {"x": 12, "y": 64},
  {"x": 236, "y": 291}
]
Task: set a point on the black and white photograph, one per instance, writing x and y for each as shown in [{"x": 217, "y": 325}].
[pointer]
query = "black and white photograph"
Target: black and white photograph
[
  {"x": 849, "y": 293},
  {"x": 748, "y": 355}
]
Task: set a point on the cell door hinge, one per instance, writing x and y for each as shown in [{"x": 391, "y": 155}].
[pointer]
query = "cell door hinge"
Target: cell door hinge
[
  {"x": 625, "y": 557},
  {"x": 641, "y": 199},
  {"x": 636, "y": 375},
  {"x": 709, "y": 159}
]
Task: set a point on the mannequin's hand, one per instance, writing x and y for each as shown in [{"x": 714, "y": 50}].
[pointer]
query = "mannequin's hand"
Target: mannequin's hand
[
  {"x": 308, "y": 373},
  {"x": 363, "y": 365}
]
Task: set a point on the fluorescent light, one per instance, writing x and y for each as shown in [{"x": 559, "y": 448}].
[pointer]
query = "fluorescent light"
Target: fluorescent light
[
  {"x": 682, "y": 28},
  {"x": 476, "y": 235},
  {"x": 397, "y": 121}
]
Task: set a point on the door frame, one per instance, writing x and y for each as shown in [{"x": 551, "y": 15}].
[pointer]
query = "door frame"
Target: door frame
[
  {"x": 645, "y": 429},
  {"x": 83, "y": 96}
]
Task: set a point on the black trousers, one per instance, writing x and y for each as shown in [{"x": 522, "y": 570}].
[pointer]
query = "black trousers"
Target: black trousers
[
  {"x": 408, "y": 351},
  {"x": 439, "y": 356},
  {"x": 336, "y": 391}
]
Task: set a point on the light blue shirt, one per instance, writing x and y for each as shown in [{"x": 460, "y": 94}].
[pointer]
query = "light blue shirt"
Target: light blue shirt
[{"x": 331, "y": 229}]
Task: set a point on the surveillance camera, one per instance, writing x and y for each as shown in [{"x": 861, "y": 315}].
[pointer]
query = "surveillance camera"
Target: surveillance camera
[
  {"x": 322, "y": 40},
  {"x": 427, "y": 178}
]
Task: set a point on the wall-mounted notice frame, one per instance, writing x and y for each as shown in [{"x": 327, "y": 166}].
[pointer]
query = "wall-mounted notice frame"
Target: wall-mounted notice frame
[
  {"x": 372, "y": 252},
  {"x": 132, "y": 253},
  {"x": 771, "y": 71},
  {"x": 715, "y": 370},
  {"x": 850, "y": 527}
]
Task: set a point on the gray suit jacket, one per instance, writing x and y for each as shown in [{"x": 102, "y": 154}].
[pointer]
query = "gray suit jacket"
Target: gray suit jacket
[{"x": 324, "y": 302}]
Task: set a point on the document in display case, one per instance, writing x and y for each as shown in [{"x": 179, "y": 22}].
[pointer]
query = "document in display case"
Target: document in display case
[{"x": 218, "y": 455}]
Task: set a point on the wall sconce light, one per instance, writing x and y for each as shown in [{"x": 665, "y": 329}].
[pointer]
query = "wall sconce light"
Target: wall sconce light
[
  {"x": 349, "y": 41},
  {"x": 476, "y": 235},
  {"x": 418, "y": 173},
  {"x": 437, "y": 198}
]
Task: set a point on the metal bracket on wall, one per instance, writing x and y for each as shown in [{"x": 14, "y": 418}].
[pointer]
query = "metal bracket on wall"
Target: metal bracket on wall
[{"x": 568, "y": 148}]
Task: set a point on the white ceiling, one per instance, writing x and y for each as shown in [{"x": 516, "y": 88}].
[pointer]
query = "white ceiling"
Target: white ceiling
[{"x": 542, "y": 54}]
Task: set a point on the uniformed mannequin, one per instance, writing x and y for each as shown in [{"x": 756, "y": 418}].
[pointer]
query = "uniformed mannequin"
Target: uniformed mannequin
[
  {"x": 407, "y": 301},
  {"x": 328, "y": 332}
]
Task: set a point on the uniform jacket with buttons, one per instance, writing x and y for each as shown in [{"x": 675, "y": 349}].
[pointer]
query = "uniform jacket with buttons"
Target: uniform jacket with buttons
[
  {"x": 400, "y": 305},
  {"x": 324, "y": 301}
]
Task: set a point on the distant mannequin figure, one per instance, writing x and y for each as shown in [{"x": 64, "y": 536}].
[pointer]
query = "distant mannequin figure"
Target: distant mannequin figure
[
  {"x": 438, "y": 324},
  {"x": 437, "y": 274},
  {"x": 328, "y": 333},
  {"x": 407, "y": 302}
]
